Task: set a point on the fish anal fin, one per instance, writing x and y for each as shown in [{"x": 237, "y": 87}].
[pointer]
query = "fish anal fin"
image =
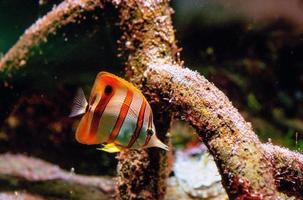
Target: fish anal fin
[{"x": 111, "y": 148}]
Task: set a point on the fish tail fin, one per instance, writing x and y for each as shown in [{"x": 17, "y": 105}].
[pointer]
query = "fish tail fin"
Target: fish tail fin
[
  {"x": 79, "y": 104},
  {"x": 156, "y": 142},
  {"x": 110, "y": 148}
]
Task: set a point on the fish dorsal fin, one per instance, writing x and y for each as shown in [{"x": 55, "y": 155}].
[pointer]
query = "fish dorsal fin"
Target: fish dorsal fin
[
  {"x": 110, "y": 148},
  {"x": 155, "y": 142},
  {"x": 79, "y": 104}
]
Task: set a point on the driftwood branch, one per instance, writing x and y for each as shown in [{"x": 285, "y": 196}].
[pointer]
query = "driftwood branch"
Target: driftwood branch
[
  {"x": 20, "y": 195},
  {"x": 288, "y": 169},
  {"x": 250, "y": 169},
  {"x": 18, "y": 172},
  {"x": 23, "y": 177},
  {"x": 147, "y": 35},
  {"x": 247, "y": 169},
  {"x": 68, "y": 12}
]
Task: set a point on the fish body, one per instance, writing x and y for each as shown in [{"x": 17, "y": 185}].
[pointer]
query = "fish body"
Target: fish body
[{"x": 117, "y": 116}]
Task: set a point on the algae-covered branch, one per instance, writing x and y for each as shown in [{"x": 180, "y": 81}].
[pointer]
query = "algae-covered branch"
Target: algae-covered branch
[{"x": 249, "y": 168}]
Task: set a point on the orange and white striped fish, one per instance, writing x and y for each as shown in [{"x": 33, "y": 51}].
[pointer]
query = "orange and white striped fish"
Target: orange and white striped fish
[{"x": 117, "y": 116}]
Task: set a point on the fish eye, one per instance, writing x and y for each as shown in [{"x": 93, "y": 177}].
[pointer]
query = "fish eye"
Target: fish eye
[{"x": 108, "y": 89}]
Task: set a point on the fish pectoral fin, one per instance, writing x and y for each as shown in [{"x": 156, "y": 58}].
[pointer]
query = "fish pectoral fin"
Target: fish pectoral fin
[
  {"x": 79, "y": 104},
  {"x": 110, "y": 148}
]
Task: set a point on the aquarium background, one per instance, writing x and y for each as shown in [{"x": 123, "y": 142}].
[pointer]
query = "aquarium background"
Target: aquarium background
[{"x": 253, "y": 54}]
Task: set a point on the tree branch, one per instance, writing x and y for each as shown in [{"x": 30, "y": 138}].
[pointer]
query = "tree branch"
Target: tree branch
[
  {"x": 288, "y": 168},
  {"x": 23, "y": 177},
  {"x": 18, "y": 172},
  {"x": 69, "y": 11},
  {"x": 147, "y": 35},
  {"x": 246, "y": 168},
  {"x": 250, "y": 169}
]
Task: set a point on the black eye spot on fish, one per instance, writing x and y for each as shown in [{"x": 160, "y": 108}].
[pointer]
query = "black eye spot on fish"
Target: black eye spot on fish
[
  {"x": 148, "y": 136},
  {"x": 150, "y": 132},
  {"x": 108, "y": 89}
]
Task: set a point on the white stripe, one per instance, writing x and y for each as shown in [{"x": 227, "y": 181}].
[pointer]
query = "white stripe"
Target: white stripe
[
  {"x": 110, "y": 115},
  {"x": 146, "y": 118},
  {"x": 135, "y": 107},
  {"x": 130, "y": 122},
  {"x": 142, "y": 135},
  {"x": 91, "y": 111}
]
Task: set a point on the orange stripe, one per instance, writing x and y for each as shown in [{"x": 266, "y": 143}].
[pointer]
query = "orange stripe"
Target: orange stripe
[
  {"x": 123, "y": 112},
  {"x": 81, "y": 132},
  {"x": 98, "y": 114},
  {"x": 139, "y": 125}
]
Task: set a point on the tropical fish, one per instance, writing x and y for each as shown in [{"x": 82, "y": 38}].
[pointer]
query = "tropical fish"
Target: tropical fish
[{"x": 117, "y": 116}]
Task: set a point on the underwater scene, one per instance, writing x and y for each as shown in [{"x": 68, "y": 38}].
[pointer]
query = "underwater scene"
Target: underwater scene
[{"x": 151, "y": 99}]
